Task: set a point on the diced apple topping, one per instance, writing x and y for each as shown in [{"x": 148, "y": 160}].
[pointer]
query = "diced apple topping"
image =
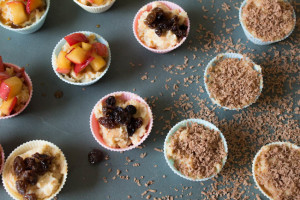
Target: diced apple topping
[
  {"x": 79, "y": 67},
  {"x": 33, "y": 4},
  {"x": 98, "y": 63},
  {"x": 64, "y": 65},
  {"x": 17, "y": 11},
  {"x": 10, "y": 87},
  {"x": 100, "y": 49},
  {"x": 7, "y": 106},
  {"x": 97, "y": 2},
  {"x": 86, "y": 46},
  {"x": 77, "y": 55},
  {"x": 76, "y": 38}
]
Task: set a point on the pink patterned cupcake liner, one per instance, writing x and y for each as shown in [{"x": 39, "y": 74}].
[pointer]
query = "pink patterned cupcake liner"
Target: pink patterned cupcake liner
[
  {"x": 95, "y": 127},
  {"x": 2, "y": 159}
]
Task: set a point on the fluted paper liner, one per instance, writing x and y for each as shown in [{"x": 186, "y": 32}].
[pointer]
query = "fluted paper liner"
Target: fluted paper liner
[
  {"x": 255, "y": 159},
  {"x": 257, "y": 40},
  {"x": 33, "y": 27},
  {"x": 184, "y": 124},
  {"x": 58, "y": 48},
  {"x": 232, "y": 55},
  {"x": 22, "y": 149},
  {"x": 172, "y": 6},
  {"x": 96, "y": 9},
  {"x": 2, "y": 159},
  {"x": 29, "y": 85},
  {"x": 95, "y": 127}
]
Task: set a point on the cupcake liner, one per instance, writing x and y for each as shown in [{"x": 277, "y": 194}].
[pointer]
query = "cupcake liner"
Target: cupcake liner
[
  {"x": 29, "y": 84},
  {"x": 257, "y": 40},
  {"x": 184, "y": 124},
  {"x": 32, "y": 28},
  {"x": 58, "y": 48},
  {"x": 21, "y": 149},
  {"x": 231, "y": 55},
  {"x": 255, "y": 159},
  {"x": 95, "y": 127},
  {"x": 2, "y": 159},
  {"x": 96, "y": 9},
  {"x": 172, "y": 6}
]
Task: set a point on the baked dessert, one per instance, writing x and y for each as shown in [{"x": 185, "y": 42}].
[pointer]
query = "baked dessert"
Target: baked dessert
[
  {"x": 18, "y": 14},
  {"x": 35, "y": 171},
  {"x": 233, "y": 83},
  {"x": 196, "y": 151},
  {"x": 123, "y": 120},
  {"x": 95, "y": 2},
  {"x": 82, "y": 58},
  {"x": 268, "y": 20},
  {"x": 276, "y": 171},
  {"x": 15, "y": 90},
  {"x": 161, "y": 27}
]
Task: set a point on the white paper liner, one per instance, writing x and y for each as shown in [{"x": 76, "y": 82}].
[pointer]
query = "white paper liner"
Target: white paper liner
[
  {"x": 23, "y": 148},
  {"x": 28, "y": 80},
  {"x": 232, "y": 55},
  {"x": 2, "y": 154},
  {"x": 255, "y": 159},
  {"x": 184, "y": 124},
  {"x": 33, "y": 27},
  {"x": 96, "y": 9},
  {"x": 128, "y": 95},
  {"x": 257, "y": 40},
  {"x": 160, "y": 51},
  {"x": 58, "y": 48}
]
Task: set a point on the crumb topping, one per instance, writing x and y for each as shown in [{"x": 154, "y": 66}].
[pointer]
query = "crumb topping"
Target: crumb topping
[
  {"x": 233, "y": 83},
  {"x": 277, "y": 171},
  {"x": 198, "y": 152},
  {"x": 268, "y": 20}
]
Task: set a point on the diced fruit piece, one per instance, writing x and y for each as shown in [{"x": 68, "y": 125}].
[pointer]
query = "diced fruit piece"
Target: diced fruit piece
[
  {"x": 64, "y": 66},
  {"x": 79, "y": 67},
  {"x": 7, "y": 106},
  {"x": 86, "y": 46},
  {"x": 97, "y": 2},
  {"x": 11, "y": 87},
  {"x": 100, "y": 49},
  {"x": 17, "y": 11},
  {"x": 76, "y": 38},
  {"x": 3, "y": 76},
  {"x": 33, "y": 4},
  {"x": 77, "y": 55},
  {"x": 98, "y": 63},
  {"x": 20, "y": 72},
  {"x": 1, "y": 65}
]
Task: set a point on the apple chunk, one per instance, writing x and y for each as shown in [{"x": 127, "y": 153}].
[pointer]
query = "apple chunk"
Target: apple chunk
[
  {"x": 7, "y": 106},
  {"x": 97, "y": 2},
  {"x": 2, "y": 69},
  {"x": 11, "y": 87},
  {"x": 101, "y": 49},
  {"x": 64, "y": 66},
  {"x": 33, "y": 4},
  {"x": 17, "y": 11},
  {"x": 76, "y": 38},
  {"x": 79, "y": 67},
  {"x": 86, "y": 46},
  {"x": 98, "y": 63},
  {"x": 77, "y": 55}
]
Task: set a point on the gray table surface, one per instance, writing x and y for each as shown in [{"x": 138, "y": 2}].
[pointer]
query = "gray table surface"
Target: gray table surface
[{"x": 65, "y": 121}]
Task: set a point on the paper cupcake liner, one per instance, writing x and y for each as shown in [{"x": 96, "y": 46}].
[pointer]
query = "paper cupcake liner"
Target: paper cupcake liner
[
  {"x": 172, "y": 6},
  {"x": 95, "y": 128},
  {"x": 21, "y": 149},
  {"x": 257, "y": 40},
  {"x": 96, "y": 9},
  {"x": 231, "y": 55},
  {"x": 184, "y": 124},
  {"x": 33, "y": 27},
  {"x": 2, "y": 159},
  {"x": 29, "y": 84},
  {"x": 255, "y": 159},
  {"x": 58, "y": 48}
]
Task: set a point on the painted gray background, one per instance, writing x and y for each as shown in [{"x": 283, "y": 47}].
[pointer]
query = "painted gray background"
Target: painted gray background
[{"x": 65, "y": 121}]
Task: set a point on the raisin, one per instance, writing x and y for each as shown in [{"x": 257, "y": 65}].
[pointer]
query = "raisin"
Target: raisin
[
  {"x": 95, "y": 156},
  {"x": 21, "y": 186},
  {"x": 30, "y": 197},
  {"x": 19, "y": 166},
  {"x": 158, "y": 32},
  {"x": 110, "y": 101},
  {"x": 107, "y": 123},
  {"x": 130, "y": 109},
  {"x": 30, "y": 177},
  {"x": 150, "y": 18},
  {"x": 130, "y": 129},
  {"x": 138, "y": 122}
]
